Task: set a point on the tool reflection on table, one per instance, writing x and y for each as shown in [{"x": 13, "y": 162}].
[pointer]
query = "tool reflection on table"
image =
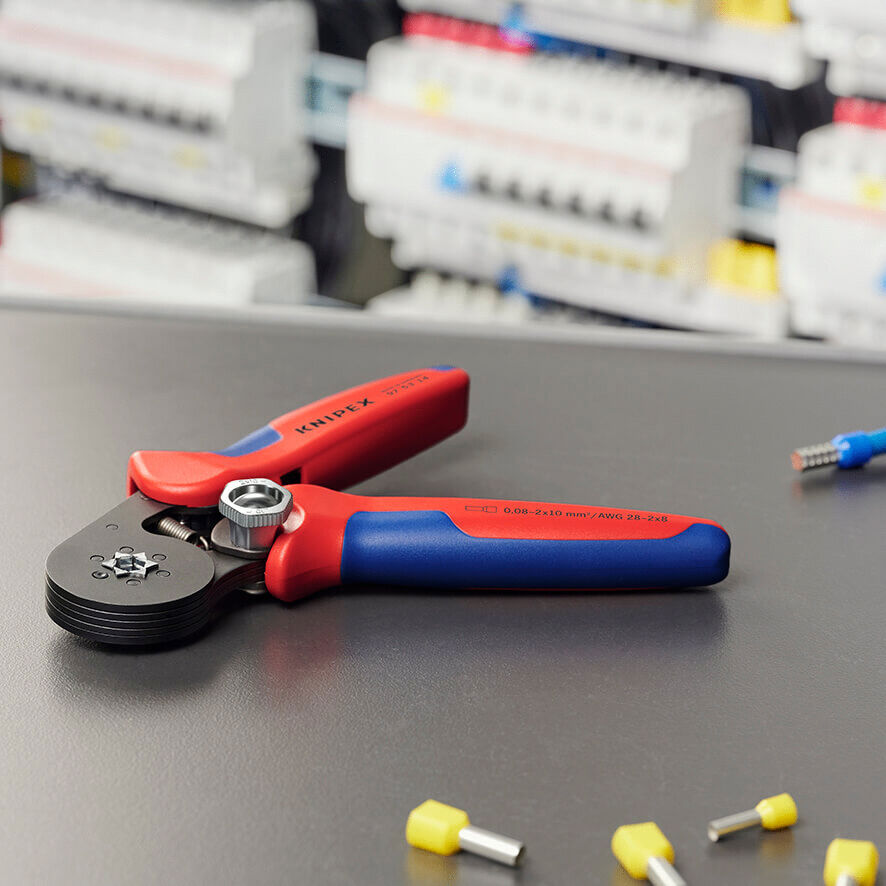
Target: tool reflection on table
[{"x": 263, "y": 514}]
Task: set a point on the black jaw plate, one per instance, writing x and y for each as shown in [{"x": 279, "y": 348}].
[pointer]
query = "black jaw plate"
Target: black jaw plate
[{"x": 173, "y": 600}]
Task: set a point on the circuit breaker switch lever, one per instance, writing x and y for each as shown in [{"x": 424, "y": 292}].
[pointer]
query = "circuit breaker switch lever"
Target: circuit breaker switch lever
[
  {"x": 446, "y": 830},
  {"x": 773, "y": 813}
]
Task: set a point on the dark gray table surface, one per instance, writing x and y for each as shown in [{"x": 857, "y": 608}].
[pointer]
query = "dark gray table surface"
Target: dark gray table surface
[{"x": 288, "y": 745}]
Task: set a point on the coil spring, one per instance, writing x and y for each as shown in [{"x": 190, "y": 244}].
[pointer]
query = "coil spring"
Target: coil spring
[{"x": 176, "y": 529}]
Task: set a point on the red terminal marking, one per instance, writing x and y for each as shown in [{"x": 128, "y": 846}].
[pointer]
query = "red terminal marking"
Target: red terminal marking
[
  {"x": 439, "y": 27},
  {"x": 57, "y": 281},
  {"x": 832, "y": 207},
  {"x": 860, "y": 112}
]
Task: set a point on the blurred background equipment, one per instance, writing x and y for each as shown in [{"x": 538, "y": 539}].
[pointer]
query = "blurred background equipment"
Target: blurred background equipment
[
  {"x": 851, "y": 35},
  {"x": 112, "y": 248},
  {"x": 751, "y": 38},
  {"x": 667, "y": 163},
  {"x": 593, "y": 184},
  {"x": 193, "y": 103},
  {"x": 832, "y": 228}
]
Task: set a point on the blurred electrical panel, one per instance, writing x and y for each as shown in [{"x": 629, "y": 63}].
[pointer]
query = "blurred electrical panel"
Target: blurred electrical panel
[
  {"x": 752, "y": 38},
  {"x": 436, "y": 297},
  {"x": 766, "y": 171},
  {"x": 851, "y": 35},
  {"x": 332, "y": 80},
  {"x": 109, "y": 248},
  {"x": 188, "y": 101},
  {"x": 591, "y": 183},
  {"x": 832, "y": 229},
  {"x": 575, "y": 160}
]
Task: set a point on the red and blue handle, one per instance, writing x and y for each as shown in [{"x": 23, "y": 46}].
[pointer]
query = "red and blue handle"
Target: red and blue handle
[
  {"x": 335, "y": 442},
  {"x": 333, "y": 538}
]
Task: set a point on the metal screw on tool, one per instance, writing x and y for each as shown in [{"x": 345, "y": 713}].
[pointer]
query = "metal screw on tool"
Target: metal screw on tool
[
  {"x": 445, "y": 830},
  {"x": 256, "y": 509}
]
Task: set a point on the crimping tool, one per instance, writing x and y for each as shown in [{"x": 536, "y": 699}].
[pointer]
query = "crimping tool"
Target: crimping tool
[{"x": 263, "y": 515}]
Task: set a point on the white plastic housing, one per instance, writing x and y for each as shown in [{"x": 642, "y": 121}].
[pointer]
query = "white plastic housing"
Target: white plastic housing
[
  {"x": 680, "y": 31},
  {"x": 473, "y": 161},
  {"x": 81, "y": 247},
  {"x": 432, "y": 298},
  {"x": 193, "y": 102},
  {"x": 831, "y": 236},
  {"x": 851, "y": 35},
  {"x": 861, "y": 14}
]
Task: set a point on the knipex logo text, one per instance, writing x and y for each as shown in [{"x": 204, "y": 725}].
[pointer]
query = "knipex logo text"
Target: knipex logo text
[{"x": 335, "y": 415}]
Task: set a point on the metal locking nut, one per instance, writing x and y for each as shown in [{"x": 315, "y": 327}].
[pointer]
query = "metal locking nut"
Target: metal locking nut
[{"x": 256, "y": 509}]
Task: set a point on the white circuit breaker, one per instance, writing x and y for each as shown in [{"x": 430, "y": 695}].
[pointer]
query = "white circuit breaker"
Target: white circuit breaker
[
  {"x": 79, "y": 246},
  {"x": 430, "y": 297},
  {"x": 831, "y": 229},
  {"x": 194, "y": 102},
  {"x": 751, "y": 38},
  {"x": 851, "y": 35},
  {"x": 589, "y": 183}
]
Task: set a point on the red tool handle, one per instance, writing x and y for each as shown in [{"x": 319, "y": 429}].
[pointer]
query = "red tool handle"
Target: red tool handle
[
  {"x": 333, "y": 538},
  {"x": 335, "y": 442}
]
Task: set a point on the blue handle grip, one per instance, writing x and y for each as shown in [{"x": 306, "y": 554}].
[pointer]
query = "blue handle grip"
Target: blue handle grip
[{"x": 426, "y": 549}]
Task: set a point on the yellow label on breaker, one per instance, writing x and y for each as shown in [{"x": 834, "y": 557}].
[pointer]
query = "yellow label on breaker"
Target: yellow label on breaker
[
  {"x": 744, "y": 268},
  {"x": 189, "y": 156},
  {"x": 111, "y": 138},
  {"x": 665, "y": 267},
  {"x": 871, "y": 192},
  {"x": 433, "y": 98},
  {"x": 589, "y": 251},
  {"x": 598, "y": 253},
  {"x": 540, "y": 240},
  {"x": 35, "y": 120},
  {"x": 755, "y": 12},
  {"x": 569, "y": 247}
]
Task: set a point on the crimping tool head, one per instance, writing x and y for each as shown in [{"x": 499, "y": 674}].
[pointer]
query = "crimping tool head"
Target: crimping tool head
[
  {"x": 164, "y": 596},
  {"x": 205, "y": 524}
]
